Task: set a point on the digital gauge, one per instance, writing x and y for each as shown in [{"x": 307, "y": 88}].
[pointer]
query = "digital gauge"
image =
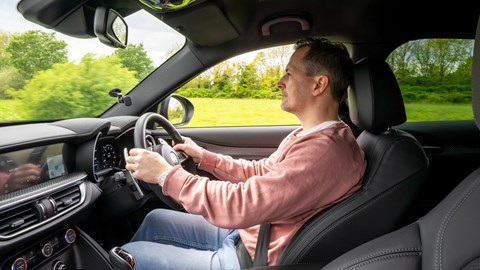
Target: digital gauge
[
  {"x": 109, "y": 157},
  {"x": 105, "y": 158}
]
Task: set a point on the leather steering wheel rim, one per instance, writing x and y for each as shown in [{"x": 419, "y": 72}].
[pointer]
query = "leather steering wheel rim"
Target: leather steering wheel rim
[{"x": 139, "y": 139}]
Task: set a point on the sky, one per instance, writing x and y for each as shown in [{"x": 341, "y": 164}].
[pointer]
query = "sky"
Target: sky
[{"x": 157, "y": 38}]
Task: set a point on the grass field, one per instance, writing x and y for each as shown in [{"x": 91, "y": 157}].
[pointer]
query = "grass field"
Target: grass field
[
  {"x": 244, "y": 112},
  {"x": 221, "y": 112}
]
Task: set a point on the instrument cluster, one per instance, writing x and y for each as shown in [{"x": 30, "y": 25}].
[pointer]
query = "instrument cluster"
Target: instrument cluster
[{"x": 106, "y": 157}]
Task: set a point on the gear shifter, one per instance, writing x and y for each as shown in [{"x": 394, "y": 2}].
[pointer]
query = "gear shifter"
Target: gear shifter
[{"x": 121, "y": 259}]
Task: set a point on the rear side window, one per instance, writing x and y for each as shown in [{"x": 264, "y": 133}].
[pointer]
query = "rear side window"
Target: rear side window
[{"x": 435, "y": 78}]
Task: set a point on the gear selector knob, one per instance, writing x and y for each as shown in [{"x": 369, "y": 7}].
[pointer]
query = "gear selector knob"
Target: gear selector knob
[{"x": 121, "y": 259}]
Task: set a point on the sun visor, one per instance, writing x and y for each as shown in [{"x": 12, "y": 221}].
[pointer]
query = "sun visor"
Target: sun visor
[
  {"x": 204, "y": 24},
  {"x": 67, "y": 17}
]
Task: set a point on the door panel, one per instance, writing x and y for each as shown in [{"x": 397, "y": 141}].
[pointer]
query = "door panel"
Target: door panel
[
  {"x": 453, "y": 149},
  {"x": 239, "y": 142}
]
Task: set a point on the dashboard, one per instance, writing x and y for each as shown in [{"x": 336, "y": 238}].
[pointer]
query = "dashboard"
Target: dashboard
[
  {"x": 100, "y": 157},
  {"x": 52, "y": 172}
]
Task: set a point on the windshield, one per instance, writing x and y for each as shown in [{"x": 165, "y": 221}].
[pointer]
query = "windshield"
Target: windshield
[{"x": 46, "y": 75}]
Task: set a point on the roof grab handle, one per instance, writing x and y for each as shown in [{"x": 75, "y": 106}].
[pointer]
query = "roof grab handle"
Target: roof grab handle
[{"x": 303, "y": 22}]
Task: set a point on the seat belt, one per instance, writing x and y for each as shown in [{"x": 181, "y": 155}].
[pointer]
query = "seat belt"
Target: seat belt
[{"x": 261, "y": 250}]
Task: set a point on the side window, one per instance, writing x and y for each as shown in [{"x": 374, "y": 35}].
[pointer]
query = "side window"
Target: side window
[
  {"x": 241, "y": 91},
  {"x": 435, "y": 78}
]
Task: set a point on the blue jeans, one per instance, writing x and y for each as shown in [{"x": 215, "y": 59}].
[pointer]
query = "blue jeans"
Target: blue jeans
[{"x": 170, "y": 239}]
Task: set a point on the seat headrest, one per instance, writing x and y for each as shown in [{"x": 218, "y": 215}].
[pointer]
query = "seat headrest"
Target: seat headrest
[{"x": 374, "y": 97}]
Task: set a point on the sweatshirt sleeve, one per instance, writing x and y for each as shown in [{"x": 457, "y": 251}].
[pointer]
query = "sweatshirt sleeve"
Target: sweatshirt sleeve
[
  {"x": 307, "y": 178},
  {"x": 234, "y": 170}
]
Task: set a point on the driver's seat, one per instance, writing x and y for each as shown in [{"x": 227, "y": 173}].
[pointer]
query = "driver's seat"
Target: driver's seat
[{"x": 397, "y": 168}]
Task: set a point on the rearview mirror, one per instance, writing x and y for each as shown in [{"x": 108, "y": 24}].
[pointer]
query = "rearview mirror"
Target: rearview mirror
[{"x": 110, "y": 27}]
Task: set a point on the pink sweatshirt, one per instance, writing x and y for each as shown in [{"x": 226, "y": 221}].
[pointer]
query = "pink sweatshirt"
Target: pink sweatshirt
[{"x": 305, "y": 175}]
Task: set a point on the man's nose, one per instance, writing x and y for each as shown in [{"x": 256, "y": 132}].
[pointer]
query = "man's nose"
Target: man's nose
[{"x": 280, "y": 83}]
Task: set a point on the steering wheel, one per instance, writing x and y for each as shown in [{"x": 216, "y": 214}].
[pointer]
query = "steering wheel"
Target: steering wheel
[{"x": 143, "y": 139}]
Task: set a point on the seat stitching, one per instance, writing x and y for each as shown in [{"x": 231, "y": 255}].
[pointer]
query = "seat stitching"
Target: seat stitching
[
  {"x": 446, "y": 221},
  {"x": 379, "y": 256}
]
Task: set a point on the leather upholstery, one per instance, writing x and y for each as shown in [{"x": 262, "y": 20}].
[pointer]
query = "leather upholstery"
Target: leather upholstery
[
  {"x": 375, "y": 100},
  {"x": 446, "y": 238},
  {"x": 397, "y": 168}
]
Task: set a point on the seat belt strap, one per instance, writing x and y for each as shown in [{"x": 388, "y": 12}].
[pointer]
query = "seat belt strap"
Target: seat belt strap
[{"x": 261, "y": 250}]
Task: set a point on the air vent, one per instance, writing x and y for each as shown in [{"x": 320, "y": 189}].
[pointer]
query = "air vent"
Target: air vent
[
  {"x": 67, "y": 198},
  {"x": 22, "y": 218},
  {"x": 17, "y": 219}
]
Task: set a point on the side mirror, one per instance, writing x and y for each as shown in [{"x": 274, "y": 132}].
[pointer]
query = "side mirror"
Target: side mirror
[
  {"x": 177, "y": 109},
  {"x": 110, "y": 27}
]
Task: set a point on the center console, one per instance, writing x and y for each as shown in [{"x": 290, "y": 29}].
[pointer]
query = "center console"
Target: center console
[{"x": 64, "y": 249}]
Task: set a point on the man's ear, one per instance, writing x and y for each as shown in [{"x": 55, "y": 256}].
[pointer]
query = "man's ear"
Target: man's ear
[{"x": 322, "y": 82}]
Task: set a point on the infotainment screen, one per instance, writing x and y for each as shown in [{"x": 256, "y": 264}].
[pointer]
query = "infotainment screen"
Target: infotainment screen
[{"x": 29, "y": 167}]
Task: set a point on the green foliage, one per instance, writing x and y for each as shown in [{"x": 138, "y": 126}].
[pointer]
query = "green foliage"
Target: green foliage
[
  {"x": 9, "y": 111},
  {"x": 70, "y": 90},
  {"x": 437, "y": 94},
  {"x": 135, "y": 58},
  {"x": 4, "y": 56},
  {"x": 436, "y": 71},
  {"x": 10, "y": 80},
  {"x": 34, "y": 50},
  {"x": 255, "y": 80}
]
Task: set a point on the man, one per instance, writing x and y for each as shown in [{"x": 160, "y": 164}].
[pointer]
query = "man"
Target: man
[{"x": 316, "y": 166}]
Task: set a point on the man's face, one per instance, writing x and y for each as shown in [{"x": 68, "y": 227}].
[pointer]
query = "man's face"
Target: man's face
[{"x": 296, "y": 86}]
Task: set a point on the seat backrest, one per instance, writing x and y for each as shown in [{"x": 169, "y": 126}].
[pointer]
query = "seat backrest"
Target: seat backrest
[
  {"x": 397, "y": 168},
  {"x": 448, "y": 237}
]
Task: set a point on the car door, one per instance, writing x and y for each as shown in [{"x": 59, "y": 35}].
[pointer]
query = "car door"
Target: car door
[{"x": 453, "y": 150}]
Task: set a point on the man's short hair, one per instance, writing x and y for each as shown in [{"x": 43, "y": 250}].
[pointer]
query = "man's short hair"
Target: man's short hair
[{"x": 329, "y": 58}]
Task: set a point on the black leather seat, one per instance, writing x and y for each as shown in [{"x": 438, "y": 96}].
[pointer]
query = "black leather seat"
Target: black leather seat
[
  {"x": 397, "y": 168},
  {"x": 448, "y": 237}
]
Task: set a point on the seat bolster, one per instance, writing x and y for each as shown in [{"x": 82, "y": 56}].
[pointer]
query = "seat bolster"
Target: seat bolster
[
  {"x": 450, "y": 232},
  {"x": 400, "y": 249},
  {"x": 473, "y": 265},
  {"x": 392, "y": 157}
]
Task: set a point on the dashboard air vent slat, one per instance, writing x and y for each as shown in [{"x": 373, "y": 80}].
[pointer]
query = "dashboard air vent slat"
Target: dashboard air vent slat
[
  {"x": 17, "y": 219},
  {"x": 67, "y": 198}
]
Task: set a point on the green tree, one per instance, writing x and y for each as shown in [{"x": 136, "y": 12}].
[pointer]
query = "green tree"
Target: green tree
[
  {"x": 70, "y": 90},
  {"x": 135, "y": 58},
  {"x": 436, "y": 58},
  {"x": 10, "y": 80},
  {"x": 463, "y": 74},
  {"x": 400, "y": 60},
  {"x": 270, "y": 65},
  {"x": 35, "y": 50},
  {"x": 4, "y": 56},
  {"x": 223, "y": 76},
  {"x": 247, "y": 81}
]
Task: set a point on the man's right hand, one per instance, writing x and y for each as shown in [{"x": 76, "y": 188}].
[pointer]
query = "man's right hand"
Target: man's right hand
[{"x": 190, "y": 148}]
